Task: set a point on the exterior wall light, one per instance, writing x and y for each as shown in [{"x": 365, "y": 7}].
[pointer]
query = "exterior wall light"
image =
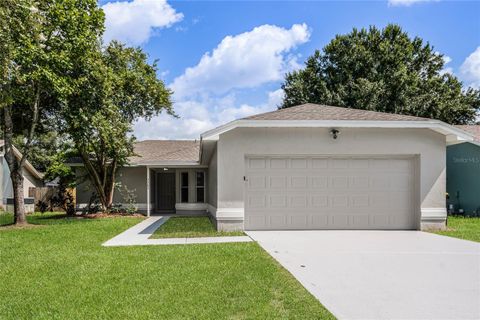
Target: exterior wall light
[{"x": 335, "y": 133}]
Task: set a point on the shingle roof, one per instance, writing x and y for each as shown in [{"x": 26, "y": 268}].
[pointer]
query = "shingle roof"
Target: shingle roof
[
  {"x": 472, "y": 129},
  {"x": 310, "y": 111},
  {"x": 149, "y": 151}
]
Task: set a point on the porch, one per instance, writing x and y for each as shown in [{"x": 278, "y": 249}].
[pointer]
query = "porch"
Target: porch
[{"x": 176, "y": 190}]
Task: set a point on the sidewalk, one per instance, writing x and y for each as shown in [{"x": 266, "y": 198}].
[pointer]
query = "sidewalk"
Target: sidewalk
[{"x": 139, "y": 235}]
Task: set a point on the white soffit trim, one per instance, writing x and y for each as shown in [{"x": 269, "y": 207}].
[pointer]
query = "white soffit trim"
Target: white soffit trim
[{"x": 452, "y": 133}]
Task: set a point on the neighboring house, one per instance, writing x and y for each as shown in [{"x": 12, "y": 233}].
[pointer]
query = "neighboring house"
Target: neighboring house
[
  {"x": 32, "y": 180},
  {"x": 305, "y": 167},
  {"x": 463, "y": 173}
]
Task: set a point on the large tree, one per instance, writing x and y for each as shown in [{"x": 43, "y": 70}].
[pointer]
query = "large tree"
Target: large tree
[
  {"x": 121, "y": 88},
  {"x": 42, "y": 41},
  {"x": 382, "y": 70}
]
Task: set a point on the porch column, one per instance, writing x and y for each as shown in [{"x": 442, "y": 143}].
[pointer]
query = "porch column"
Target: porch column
[{"x": 148, "y": 191}]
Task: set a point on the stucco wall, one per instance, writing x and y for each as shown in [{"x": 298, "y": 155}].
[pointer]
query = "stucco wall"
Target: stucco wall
[
  {"x": 134, "y": 178},
  {"x": 463, "y": 176},
  {"x": 212, "y": 180},
  {"x": 428, "y": 145}
]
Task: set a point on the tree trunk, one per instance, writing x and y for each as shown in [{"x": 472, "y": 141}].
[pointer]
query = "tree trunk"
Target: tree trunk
[
  {"x": 18, "y": 199},
  {"x": 15, "y": 167},
  {"x": 94, "y": 179},
  {"x": 110, "y": 184}
]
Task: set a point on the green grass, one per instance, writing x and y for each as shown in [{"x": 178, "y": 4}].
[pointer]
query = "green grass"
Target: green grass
[
  {"x": 463, "y": 228},
  {"x": 190, "y": 227},
  {"x": 61, "y": 271}
]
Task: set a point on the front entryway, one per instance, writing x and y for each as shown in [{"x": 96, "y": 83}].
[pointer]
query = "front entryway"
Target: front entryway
[{"x": 165, "y": 191}]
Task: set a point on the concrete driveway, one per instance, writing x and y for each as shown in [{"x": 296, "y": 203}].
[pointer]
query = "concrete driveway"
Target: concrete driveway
[{"x": 382, "y": 274}]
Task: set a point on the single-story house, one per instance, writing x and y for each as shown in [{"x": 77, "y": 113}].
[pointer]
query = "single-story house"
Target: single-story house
[
  {"x": 463, "y": 174},
  {"x": 32, "y": 180},
  {"x": 305, "y": 167}
]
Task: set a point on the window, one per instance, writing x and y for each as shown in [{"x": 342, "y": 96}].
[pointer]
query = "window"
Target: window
[
  {"x": 184, "y": 187},
  {"x": 200, "y": 186}
]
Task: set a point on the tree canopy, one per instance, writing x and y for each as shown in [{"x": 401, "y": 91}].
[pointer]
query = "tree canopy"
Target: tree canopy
[
  {"x": 42, "y": 41},
  {"x": 120, "y": 88},
  {"x": 382, "y": 70}
]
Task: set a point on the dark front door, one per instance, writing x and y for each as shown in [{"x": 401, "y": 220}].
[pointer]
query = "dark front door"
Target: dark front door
[{"x": 166, "y": 191}]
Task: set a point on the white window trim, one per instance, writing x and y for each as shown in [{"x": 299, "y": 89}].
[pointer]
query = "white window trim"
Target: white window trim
[
  {"x": 184, "y": 187},
  {"x": 204, "y": 186}
]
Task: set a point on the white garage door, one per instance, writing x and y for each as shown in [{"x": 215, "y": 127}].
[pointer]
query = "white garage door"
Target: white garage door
[{"x": 314, "y": 192}]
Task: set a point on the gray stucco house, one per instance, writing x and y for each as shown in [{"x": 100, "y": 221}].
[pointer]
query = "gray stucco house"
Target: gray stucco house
[
  {"x": 32, "y": 180},
  {"x": 305, "y": 167},
  {"x": 463, "y": 174}
]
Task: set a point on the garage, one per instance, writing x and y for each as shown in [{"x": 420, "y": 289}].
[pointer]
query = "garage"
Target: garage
[{"x": 330, "y": 192}]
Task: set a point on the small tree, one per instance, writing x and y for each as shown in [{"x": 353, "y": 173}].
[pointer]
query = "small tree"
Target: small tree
[
  {"x": 65, "y": 177},
  {"x": 122, "y": 88},
  {"x": 382, "y": 70}
]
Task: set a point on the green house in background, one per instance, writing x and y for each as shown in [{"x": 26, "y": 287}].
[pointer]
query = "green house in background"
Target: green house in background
[{"x": 463, "y": 174}]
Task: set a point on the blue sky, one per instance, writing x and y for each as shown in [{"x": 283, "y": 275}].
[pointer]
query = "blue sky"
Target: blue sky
[{"x": 226, "y": 60}]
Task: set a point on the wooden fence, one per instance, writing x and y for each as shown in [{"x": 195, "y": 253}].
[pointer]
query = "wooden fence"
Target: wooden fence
[{"x": 44, "y": 194}]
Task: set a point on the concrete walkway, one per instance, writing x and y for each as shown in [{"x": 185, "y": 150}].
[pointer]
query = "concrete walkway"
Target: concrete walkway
[
  {"x": 382, "y": 274},
  {"x": 139, "y": 235}
]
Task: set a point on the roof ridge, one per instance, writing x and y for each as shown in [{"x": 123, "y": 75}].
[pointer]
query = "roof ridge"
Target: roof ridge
[
  {"x": 168, "y": 140},
  {"x": 175, "y": 151},
  {"x": 318, "y": 109}
]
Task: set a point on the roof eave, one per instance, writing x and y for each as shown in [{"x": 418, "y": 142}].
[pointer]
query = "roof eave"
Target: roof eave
[{"x": 450, "y": 131}]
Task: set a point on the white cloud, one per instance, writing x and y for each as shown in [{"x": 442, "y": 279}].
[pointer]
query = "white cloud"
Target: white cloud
[
  {"x": 275, "y": 98},
  {"x": 406, "y": 3},
  {"x": 470, "y": 69},
  {"x": 206, "y": 94},
  {"x": 198, "y": 116},
  {"x": 446, "y": 60},
  {"x": 246, "y": 60},
  {"x": 135, "y": 22}
]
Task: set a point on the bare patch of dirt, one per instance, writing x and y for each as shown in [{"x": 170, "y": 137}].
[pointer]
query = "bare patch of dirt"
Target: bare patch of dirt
[
  {"x": 110, "y": 215},
  {"x": 96, "y": 216},
  {"x": 20, "y": 227}
]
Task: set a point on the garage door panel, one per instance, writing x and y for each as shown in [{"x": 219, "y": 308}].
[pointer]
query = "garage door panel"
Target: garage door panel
[
  {"x": 298, "y": 182},
  {"x": 256, "y": 201},
  {"x": 338, "y": 182},
  {"x": 357, "y": 201},
  {"x": 278, "y": 201},
  {"x": 298, "y": 163},
  {"x": 319, "y": 201},
  {"x": 278, "y": 182},
  {"x": 319, "y": 163},
  {"x": 329, "y": 193},
  {"x": 256, "y": 163},
  {"x": 319, "y": 221}
]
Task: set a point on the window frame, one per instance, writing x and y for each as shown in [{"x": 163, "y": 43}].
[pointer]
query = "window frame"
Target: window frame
[
  {"x": 204, "y": 186},
  {"x": 182, "y": 187}
]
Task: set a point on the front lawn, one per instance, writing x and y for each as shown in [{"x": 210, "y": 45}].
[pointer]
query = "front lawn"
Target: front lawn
[
  {"x": 463, "y": 228},
  {"x": 190, "y": 227},
  {"x": 61, "y": 271}
]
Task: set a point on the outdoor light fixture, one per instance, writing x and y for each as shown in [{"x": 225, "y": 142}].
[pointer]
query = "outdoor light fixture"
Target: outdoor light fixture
[
  {"x": 165, "y": 169},
  {"x": 334, "y": 133}
]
